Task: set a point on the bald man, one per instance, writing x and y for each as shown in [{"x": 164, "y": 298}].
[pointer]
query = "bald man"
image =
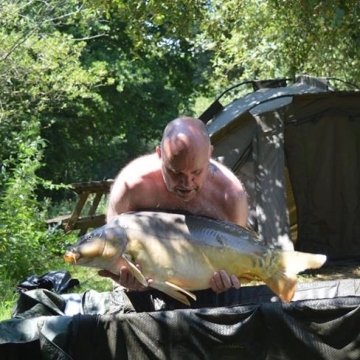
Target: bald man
[{"x": 180, "y": 176}]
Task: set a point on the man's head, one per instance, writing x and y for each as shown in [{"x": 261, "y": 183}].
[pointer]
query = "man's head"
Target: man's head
[{"x": 185, "y": 153}]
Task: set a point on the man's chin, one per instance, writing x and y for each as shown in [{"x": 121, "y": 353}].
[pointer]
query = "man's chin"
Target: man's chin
[{"x": 185, "y": 196}]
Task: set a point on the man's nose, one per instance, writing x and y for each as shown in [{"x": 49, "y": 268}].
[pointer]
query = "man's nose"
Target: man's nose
[{"x": 187, "y": 180}]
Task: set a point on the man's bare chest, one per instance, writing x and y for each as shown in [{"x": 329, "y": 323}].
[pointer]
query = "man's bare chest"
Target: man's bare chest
[{"x": 204, "y": 206}]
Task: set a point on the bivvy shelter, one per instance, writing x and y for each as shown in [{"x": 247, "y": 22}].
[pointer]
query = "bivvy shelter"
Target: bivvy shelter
[
  {"x": 297, "y": 150},
  {"x": 295, "y": 145}
]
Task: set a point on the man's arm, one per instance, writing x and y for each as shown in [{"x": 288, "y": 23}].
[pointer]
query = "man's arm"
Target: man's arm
[
  {"x": 121, "y": 200},
  {"x": 239, "y": 208},
  {"x": 236, "y": 209},
  {"x": 238, "y": 213}
]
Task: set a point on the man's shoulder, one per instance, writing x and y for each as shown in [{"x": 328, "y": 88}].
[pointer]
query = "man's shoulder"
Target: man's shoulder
[
  {"x": 143, "y": 164},
  {"x": 220, "y": 169},
  {"x": 153, "y": 157},
  {"x": 141, "y": 173},
  {"x": 225, "y": 177}
]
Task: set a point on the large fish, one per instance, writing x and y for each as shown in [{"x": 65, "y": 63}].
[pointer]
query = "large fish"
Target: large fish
[{"x": 182, "y": 252}]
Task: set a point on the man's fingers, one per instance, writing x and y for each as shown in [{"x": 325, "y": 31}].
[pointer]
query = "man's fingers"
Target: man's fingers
[
  {"x": 235, "y": 282},
  {"x": 216, "y": 282},
  {"x": 225, "y": 280},
  {"x": 221, "y": 281},
  {"x": 128, "y": 280},
  {"x": 108, "y": 274},
  {"x": 125, "y": 278},
  {"x": 103, "y": 273}
]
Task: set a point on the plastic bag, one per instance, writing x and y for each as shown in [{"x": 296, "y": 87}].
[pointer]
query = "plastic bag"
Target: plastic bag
[{"x": 57, "y": 281}]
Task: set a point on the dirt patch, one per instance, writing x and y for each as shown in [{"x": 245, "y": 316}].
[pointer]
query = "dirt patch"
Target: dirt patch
[{"x": 331, "y": 272}]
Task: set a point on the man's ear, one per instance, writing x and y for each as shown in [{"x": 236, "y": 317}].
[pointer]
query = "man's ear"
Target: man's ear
[
  {"x": 211, "y": 150},
  {"x": 158, "y": 151}
]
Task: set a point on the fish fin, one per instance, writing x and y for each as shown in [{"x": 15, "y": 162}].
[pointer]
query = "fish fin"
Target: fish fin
[
  {"x": 178, "y": 288},
  {"x": 283, "y": 282},
  {"x": 174, "y": 291},
  {"x": 135, "y": 271},
  {"x": 245, "y": 280}
]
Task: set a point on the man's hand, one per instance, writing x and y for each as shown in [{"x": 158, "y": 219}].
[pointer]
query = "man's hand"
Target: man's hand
[
  {"x": 221, "y": 282},
  {"x": 126, "y": 278}
]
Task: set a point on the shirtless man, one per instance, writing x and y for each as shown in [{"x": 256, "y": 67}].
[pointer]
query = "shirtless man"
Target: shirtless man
[{"x": 180, "y": 176}]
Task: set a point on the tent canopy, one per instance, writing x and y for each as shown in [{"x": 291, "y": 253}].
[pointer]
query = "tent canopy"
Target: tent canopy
[{"x": 297, "y": 152}]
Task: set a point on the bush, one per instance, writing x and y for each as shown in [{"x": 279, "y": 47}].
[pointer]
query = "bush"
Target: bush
[{"x": 26, "y": 245}]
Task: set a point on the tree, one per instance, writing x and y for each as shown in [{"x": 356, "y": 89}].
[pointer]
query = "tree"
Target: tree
[
  {"x": 40, "y": 72},
  {"x": 266, "y": 39},
  {"x": 80, "y": 97}
]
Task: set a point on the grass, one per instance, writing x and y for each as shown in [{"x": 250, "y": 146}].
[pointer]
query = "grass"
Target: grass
[{"x": 89, "y": 279}]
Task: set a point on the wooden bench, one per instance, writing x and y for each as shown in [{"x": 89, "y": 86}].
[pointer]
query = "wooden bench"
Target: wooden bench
[{"x": 87, "y": 192}]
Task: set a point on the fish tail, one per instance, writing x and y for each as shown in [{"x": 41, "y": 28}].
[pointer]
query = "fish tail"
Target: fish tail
[{"x": 288, "y": 265}]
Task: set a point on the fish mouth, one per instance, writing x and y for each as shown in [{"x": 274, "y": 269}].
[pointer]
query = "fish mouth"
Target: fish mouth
[{"x": 71, "y": 257}]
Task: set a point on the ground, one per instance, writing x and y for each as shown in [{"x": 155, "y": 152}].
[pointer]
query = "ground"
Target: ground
[{"x": 345, "y": 270}]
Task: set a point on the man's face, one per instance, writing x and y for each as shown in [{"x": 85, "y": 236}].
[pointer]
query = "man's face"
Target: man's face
[{"x": 185, "y": 173}]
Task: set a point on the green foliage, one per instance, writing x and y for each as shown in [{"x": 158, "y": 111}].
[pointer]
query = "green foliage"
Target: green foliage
[
  {"x": 25, "y": 245},
  {"x": 103, "y": 78},
  {"x": 265, "y": 39},
  {"x": 102, "y": 86},
  {"x": 8, "y": 298},
  {"x": 41, "y": 71}
]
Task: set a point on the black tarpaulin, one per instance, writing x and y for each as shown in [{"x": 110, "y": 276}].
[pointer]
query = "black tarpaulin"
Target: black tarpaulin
[
  {"x": 323, "y": 322},
  {"x": 312, "y": 329}
]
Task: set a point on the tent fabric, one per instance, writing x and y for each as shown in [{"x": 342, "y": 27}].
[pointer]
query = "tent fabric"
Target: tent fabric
[
  {"x": 323, "y": 151},
  {"x": 323, "y": 322},
  {"x": 252, "y": 127},
  {"x": 305, "y": 133},
  {"x": 272, "y": 216},
  {"x": 42, "y": 302}
]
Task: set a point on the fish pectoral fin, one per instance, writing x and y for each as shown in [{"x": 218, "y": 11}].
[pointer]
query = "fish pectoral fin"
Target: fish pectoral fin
[
  {"x": 178, "y": 288},
  {"x": 174, "y": 291},
  {"x": 135, "y": 271}
]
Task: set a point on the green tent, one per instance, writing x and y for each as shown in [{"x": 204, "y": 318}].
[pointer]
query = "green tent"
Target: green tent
[{"x": 296, "y": 148}]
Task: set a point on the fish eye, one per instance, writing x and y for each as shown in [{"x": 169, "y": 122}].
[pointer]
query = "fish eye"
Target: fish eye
[{"x": 88, "y": 237}]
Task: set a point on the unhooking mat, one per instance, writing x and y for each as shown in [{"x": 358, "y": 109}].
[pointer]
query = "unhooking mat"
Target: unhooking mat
[{"x": 323, "y": 322}]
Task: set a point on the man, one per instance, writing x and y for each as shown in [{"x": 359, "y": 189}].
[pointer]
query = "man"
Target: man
[{"x": 180, "y": 176}]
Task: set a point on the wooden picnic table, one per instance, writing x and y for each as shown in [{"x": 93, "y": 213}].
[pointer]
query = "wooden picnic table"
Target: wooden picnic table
[{"x": 92, "y": 192}]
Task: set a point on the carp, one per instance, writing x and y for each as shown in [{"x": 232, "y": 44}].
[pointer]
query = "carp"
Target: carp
[{"x": 181, "y": 252}]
